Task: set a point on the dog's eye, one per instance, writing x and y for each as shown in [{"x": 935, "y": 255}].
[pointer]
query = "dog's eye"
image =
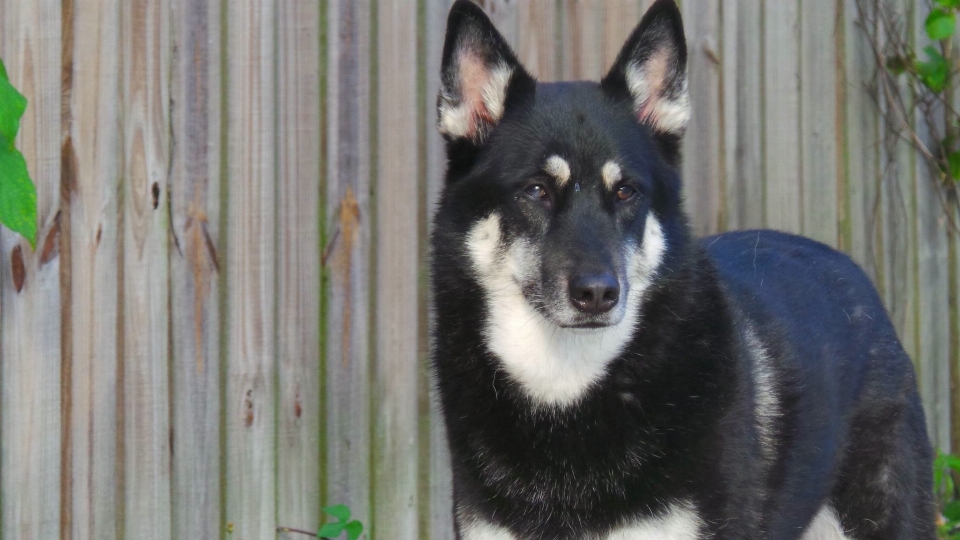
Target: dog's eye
[
  {"x": 536, "y": 192},
  {"x": 625, "y": 193}
]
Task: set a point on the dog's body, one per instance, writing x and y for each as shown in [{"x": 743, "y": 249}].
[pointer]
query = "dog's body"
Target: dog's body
[{"x": 605, "y": 376}]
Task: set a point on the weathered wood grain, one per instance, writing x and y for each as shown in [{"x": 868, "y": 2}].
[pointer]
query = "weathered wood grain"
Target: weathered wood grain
[
  {"x": 582, "y": 28},
  {"x": 703, "y": 162},
  {"x": 821, "y": 143},
  {"x": 396, "y": 369},
  {"x": 742, "y": 70},
  {"x": 251, "y": 300},
  {"x": 619, "y": 17},
  {"x": 144, "y": 271},
  {"x": 346, "y": 258},
  {"x": 196, "y": 261},
  {"x": 298, "y": 221},
  {"x": 537, "y": 44},
  {"x": 30, "y": 40},
  {"x": 932, "y": 285},
  {"x": 860, "y": 217},
  {"x": 781, "y": 115},
  {"x": 439, "y": 515},
  {"x": 93, "y": 196}
]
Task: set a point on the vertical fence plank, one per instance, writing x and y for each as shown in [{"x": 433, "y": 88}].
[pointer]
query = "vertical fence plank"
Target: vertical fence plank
[
  {"x": 29, "y": 328},
  {"x": 932, "y": 307},
  {"x": 92, "y": 154},
  {"x": 505, "y": 16},
  {"x": 537, "y": 45},
  {"x": 145, "y": 163},
  {"x": 742, "y": 113},
  {"x": 347, "y": 258},
  {"x": 396, "y": 369},
  {"x": 702, "y": 161},
  {"x": 781, "y": 115},
  {"x": 195, "y": 268},
  {"x": 620, "y": 17},
  {"x": 440, "y": 515},
  {"x": 820, "y": 144},
  {"x": 862, "y": 144},
  {"x": 250, "y": 414},
  {"x": 298, "y": 146},
  {"x": 582, "y": 28}
]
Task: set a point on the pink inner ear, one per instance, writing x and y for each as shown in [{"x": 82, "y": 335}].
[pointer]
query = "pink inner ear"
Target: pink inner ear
[
  {"x": 474, "y": 77},
  {"x": 648, "y": 109}
]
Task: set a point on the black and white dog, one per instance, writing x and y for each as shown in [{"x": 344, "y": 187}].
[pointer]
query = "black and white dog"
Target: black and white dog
[{"x": 604, "y": 375}]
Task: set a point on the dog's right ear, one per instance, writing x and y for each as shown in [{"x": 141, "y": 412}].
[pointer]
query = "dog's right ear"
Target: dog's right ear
[{"x": 478, "y": 74}]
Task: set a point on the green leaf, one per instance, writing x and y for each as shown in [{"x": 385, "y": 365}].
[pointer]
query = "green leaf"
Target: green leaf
[
  {"x": 949, "y": 4},
  {"x": 940, "y": 24},
  {"x": 340, "y": 511},
  {"x": 18, "y": 196},
  {"x": 952, "y": 511},
  {"x": 354, "y": 530},
  {"x": 954, "y": 161},
  {"x": 12, "y": 105},
  {"x": 934, "y": 72},
  {"x": 331, "y": 530}
]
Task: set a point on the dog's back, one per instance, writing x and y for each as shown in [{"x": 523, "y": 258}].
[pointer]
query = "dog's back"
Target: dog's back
[{"x": 849, "y": 423}]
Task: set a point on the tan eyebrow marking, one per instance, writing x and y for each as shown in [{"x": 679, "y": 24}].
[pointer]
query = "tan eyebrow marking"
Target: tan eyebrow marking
[
  {"x": 611, "y": 174},
  {"x": 558, "y": 168}
]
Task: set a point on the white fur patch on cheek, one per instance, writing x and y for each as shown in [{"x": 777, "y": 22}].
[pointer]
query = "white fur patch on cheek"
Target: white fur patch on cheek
[
  {"x": 559, "y": 169},
  {"x": 483, "y": 242},
  {"x": 666, "y": 110},
  {"x": 652, "y": 251},
  {"x": 680, "y": 522},
  {"x": 611, "y": 174},
  {"x": 477, "y": 101}
]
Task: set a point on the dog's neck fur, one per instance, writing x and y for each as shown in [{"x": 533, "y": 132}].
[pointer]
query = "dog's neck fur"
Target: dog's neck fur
[{"x": 666, "y": 381}]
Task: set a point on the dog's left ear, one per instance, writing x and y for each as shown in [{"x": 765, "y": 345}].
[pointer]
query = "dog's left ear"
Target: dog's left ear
[
  {"x": 479, "y": 74},
  {"x": 652, "y": 70}
]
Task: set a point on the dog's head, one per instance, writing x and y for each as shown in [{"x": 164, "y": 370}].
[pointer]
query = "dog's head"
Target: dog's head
[{"x": 565, "y": 195}]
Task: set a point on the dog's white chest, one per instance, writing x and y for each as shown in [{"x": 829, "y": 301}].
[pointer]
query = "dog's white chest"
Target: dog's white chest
[{"x": 679, "y": 522}]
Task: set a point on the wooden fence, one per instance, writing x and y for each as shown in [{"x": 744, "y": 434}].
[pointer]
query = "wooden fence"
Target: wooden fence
[{"x": 224, "y": 324}]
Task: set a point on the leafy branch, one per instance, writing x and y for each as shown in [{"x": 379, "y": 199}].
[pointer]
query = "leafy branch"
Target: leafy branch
[
  {"x": 914, "y": 92},
  {"x": 18, "y": 196},
  {"x": 334, "y": 529}
]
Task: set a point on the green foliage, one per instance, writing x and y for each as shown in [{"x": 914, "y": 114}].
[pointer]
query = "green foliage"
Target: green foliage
[
  {"x": 18, "y": 196},
  {"x": 353, "y": 528},
  {"x": 949, "y": 4},
  {"x": 940, "y": 24},
  {"x": 934, "y": 72},
  {"x": 945, "y": 469}
]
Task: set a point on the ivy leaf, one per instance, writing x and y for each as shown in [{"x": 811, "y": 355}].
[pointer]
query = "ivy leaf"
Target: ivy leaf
[
  {"x": 340, "y": 511},
  {"x": 949, "y": 4},
  {"x": 940, "y": 24},
  {"x": 933, "y": 73},
  {"x": 354, "y": 529},
  {"x": 952, "y": 511},
  {"x": 331, "y": 530},
  {"x": 18, "y": 196},
  {"x": 12, "y": 105}
]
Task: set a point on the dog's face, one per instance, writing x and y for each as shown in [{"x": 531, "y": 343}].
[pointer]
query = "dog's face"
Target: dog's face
[{"x": 565, "y": 189}]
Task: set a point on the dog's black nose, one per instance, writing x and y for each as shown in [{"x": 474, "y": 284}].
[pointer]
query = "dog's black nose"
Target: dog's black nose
[{"x": 594, "y": 294}]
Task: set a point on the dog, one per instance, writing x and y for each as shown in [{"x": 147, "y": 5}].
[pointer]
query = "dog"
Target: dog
[{"x": 605, "y": 375}]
